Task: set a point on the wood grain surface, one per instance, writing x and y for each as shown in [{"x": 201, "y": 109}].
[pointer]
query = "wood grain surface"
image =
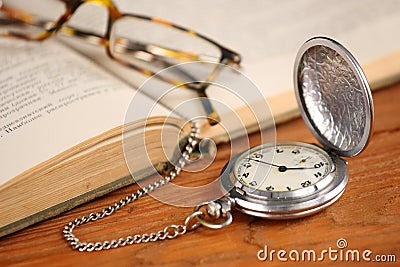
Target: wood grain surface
[{"x": 367, "y": 216}]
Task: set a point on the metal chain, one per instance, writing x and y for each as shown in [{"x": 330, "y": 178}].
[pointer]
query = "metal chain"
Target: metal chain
[{"x": 171, "y": 231}]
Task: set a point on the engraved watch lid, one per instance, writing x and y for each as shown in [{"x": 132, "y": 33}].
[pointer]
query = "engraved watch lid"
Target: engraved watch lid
[{"x": 334, "y": 96}]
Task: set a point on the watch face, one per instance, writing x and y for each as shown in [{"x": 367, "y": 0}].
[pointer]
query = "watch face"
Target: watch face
[{"x": 284, "y": 168}]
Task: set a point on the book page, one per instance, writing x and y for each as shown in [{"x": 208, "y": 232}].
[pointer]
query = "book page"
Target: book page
[
  {"x": 268, "y": 34},
  {"x": 52, "y": 99}
]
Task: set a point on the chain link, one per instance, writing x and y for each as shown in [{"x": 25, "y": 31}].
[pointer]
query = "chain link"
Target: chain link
[{"x": 171, "y": 231}]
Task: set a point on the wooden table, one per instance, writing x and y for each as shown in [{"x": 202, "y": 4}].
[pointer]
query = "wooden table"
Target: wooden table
[{"x": 367, "y": 216}]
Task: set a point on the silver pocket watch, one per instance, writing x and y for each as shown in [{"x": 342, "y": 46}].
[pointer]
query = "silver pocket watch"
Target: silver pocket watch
[
  {"x": 278, "y": 180},
  {"x": 294, "y": 179}
]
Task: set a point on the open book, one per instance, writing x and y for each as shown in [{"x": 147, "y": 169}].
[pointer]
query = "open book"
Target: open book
[
  {"x": 61, "y": 148},
  {"x": 61, "y": 120}
]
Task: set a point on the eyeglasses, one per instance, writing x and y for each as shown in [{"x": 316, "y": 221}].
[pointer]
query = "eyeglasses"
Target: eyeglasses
[{"x": 145, "y": 44}]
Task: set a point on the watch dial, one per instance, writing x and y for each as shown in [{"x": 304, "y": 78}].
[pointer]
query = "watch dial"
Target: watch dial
[{"x": 283, "y": 167}]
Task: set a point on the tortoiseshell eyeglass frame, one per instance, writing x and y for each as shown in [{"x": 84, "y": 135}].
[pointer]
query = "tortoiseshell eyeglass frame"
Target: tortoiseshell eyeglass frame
[{"x": 228, "y": 57}]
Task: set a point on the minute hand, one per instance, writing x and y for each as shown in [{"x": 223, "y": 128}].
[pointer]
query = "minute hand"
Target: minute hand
[
  {"x": 282, "y": 168},
  {"x": 257, "y": 160}
]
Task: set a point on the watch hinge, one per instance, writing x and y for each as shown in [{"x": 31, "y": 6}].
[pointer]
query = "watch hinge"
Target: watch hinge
[{"x": 240, "y": 191}]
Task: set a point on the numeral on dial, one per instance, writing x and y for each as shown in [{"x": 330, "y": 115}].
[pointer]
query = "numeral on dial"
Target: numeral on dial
[
  {"x": 257, "y": 156},
  {"x": 270, "y": 188},
  {"x": 306, "y": 183},
  {"x": 317, "y": 175},
  {"x": 319, "y": 165},
  {"x": 247, "y": 164}
]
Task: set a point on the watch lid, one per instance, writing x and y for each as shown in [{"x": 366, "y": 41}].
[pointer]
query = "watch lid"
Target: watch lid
[{"x": 334, "y": 96}]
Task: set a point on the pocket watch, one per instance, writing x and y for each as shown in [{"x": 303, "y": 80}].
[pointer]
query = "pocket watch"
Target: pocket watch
[
  {"x": 278, "y": 180},
  {"x": 293, "y": 179}
]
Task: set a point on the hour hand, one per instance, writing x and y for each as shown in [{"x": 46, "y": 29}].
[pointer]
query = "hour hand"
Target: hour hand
[{"x": 299, "y": 168}]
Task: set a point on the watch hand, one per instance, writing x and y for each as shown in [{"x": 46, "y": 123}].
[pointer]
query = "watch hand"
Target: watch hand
[
  {"x": 284, "y": 168},
  {"x": 281, "y": 168},
  {"x": 304, "y": 160},
  {"x": 299, "y": 168},
  {"x": 260, "y": 161}
]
